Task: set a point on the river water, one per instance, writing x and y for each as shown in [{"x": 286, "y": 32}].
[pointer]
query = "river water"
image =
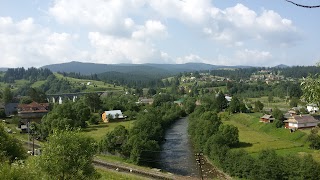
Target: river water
[{"x": 177, "y": 155}]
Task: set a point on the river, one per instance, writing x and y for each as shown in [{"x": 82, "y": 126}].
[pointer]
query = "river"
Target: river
[{"x": 177, "y": 155}]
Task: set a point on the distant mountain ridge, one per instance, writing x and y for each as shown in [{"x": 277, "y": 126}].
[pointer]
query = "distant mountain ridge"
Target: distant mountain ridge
[
  {"x": 92, "y": 68},
  {"x": 3, "y": 69},
  {"x": 281, "y": 66}
]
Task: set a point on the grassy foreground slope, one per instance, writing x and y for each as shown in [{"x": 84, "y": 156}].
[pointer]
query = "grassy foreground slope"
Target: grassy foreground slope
[{"x": 255, "y": 136}]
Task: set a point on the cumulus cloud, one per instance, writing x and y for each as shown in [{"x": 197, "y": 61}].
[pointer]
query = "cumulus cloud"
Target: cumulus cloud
[
  {"x": 105, "y": 15},
  {"x": 127, "y": 31},
  {"x": 25, "y": 43},
  {"x": 152, "y": 29},
  {"x": 110, "y": 49},
  {"x": 188, "y": 11},
  {"x": 253, "y": 57},
  {"x": 189, "y": 58},
  {"x": 240, "y": 24}
]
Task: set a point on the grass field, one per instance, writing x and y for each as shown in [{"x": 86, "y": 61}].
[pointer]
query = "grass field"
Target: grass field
[
  {"x": 277, "y": 102},
  {"x": 255, "y": 136},
  {"x": 100, "y": 130},
  {"x": 100, "y": 86},
  {"x": 113, "y": 175}
]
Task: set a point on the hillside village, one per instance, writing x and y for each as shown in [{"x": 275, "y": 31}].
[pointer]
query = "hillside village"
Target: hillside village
[{"x": 265, "y": 102}]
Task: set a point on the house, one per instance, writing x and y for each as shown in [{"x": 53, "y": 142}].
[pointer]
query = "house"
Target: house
[
  {"x": 301, "y": 121},
  {"x": 228, "y": 98},
  {"x": 115, "y": 114},
  {"x": 33, "y": 111},
  {"x": 179, "y": 102},
  {"x": 143, "y": 100},
  {"x": 267, "y": 118},
  {"x": 312, "y": 108}
]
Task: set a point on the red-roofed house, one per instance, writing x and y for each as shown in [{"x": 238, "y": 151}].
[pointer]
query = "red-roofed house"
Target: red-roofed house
[{"x": 33, "y": 111}]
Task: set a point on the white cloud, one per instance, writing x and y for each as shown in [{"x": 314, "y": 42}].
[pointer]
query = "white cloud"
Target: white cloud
[
  {"x": 252, "y": 57},
  {"x": 109, "y": 16},
  {"x": 189, "y": 58},
  {"x": 111, "y": 50},
  {"x": 239, "y": 23},
  {"x": 189, "y": 11},
  {"x": 25, "y": 43},
  {"x": 229, "y": 26},
  {"x": 151, "y": 29}
]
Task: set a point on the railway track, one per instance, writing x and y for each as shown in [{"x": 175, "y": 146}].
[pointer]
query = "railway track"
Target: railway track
[
  {"x": 124, "y": 169},
  {"x": 121, "y": 168}
]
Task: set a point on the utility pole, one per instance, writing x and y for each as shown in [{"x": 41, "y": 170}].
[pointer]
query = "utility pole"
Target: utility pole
[{"x": 28, "y": 126}]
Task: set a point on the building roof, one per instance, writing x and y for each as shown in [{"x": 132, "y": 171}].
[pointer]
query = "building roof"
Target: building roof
[
  {"x": 114, "y": 112},
  {"x": 302, "y": 119},
  {"x": 145, "y": 100},
  {"x": 33, "y": 107},
  {"x": 267, "y": 116}
]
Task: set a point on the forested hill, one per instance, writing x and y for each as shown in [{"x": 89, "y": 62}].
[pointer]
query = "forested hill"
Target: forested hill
[{"x": 92, "y": 68}]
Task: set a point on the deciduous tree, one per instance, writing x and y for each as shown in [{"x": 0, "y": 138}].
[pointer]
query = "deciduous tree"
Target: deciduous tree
[{"x": 68, "y": 155}]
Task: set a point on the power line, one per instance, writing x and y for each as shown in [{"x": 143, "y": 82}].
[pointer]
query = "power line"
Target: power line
[{"x": 304, "y": 6}]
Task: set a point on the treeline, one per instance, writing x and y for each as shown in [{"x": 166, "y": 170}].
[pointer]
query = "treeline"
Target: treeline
[
  {"x": 300, "y": 71},
  {"x": 132, "y": 80},
  {"x": 242, "y": 73},
  {"x": 291, "y": 89},
  {"x": 54, "y": 85},
  {"x": 142, "y": 141},
  {"x": 79, "y": 76},
  {"x": 32, "y": 74},
  {"x": 245, "y": 73}
]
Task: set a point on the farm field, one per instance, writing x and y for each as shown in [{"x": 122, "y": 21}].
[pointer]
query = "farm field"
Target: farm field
[
  {"x": 277, "y": 102},
  {"x": 255, "y": 136},
  {"x": 100, "y": 130}
]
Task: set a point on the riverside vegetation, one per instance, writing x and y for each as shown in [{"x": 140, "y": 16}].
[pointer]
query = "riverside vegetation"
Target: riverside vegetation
[{"x": 216, "y": 127}]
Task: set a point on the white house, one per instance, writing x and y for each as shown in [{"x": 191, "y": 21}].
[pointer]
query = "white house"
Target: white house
[
  {"x": 116, "y": 114},
  {"x": 228, "y": 98},
  {"x": 312, "y": 108},
  {"x": 301, "y": 121}
]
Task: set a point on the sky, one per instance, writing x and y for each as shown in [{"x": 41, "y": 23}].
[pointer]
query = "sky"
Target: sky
[{"x": 220, "y": 32}]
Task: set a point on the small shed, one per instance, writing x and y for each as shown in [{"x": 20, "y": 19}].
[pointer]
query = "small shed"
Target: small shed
[{"x": 267, "y": 118}]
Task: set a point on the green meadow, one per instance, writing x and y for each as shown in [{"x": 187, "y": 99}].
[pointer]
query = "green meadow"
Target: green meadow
[{"x": 255, "y": 136}]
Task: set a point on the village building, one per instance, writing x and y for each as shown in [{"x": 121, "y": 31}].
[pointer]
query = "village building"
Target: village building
[
  {"x": 312, "y": 108},
  {"x": 179, "y": 102},
  {"x": 301, "y": 121},
  {"x": 143, "y": 100},
  {"x": 113, "y": 114},
  {"x": 33, "y": 111},
  {"x": 267, "y": 118}
]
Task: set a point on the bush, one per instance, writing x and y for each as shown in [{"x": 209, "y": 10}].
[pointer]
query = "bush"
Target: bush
[
  {"x": 2, "y": 113},
  {"x": 94, "y": 119}
]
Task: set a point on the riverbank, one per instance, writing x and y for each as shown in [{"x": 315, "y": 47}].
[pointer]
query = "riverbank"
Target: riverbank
[{"x": 214, "y": 170}]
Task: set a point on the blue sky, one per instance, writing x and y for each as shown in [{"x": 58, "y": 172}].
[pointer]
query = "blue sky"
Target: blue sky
[{"x": 221, "y": 32}]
